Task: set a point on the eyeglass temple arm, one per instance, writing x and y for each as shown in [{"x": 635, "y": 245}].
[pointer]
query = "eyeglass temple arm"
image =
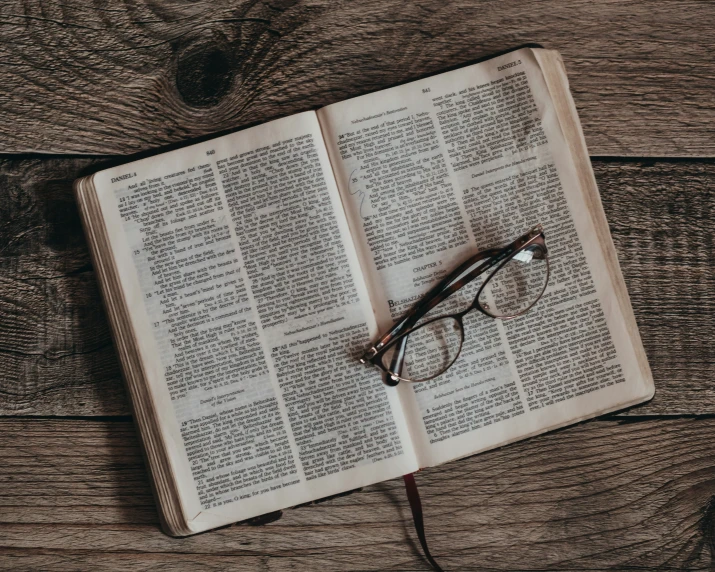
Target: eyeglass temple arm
[
  {"x": 448, "y": 286},
  {"x": 439, "y": 293}
]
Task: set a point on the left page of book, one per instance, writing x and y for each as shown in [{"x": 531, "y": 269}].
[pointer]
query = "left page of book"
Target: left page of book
[{"x": 247, "y": 301}]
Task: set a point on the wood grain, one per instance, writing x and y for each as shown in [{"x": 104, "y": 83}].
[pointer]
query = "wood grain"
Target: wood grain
[
  {"x": 628, "y": 493},
  {"x": 661, "y": 218},
  {"x": 603, "y": 495},
  {"x": 117, "y": 78},
  {"x": 56, "y": 355}
]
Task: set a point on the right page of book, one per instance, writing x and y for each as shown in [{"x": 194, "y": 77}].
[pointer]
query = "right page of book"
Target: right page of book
[{"x": 433, "y": 171}]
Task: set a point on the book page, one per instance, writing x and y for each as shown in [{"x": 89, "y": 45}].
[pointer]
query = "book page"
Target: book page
[
  {"x": 248, "y": 304},
  {"x": 432, "y": 172}
]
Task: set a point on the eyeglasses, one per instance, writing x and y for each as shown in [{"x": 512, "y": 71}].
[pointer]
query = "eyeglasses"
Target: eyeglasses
[{"x": 420, "y": 348}]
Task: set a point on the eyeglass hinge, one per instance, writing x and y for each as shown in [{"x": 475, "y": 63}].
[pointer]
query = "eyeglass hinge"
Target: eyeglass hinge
[{"x": 369, "y": 354}]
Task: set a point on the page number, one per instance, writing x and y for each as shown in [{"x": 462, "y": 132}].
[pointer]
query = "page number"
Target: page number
[
  {"x": 212, "y": 152},
  {"x": 426, "y": 90}
]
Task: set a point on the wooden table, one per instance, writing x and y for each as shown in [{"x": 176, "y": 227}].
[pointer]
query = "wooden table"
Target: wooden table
[{"x": 87, "y": 84}]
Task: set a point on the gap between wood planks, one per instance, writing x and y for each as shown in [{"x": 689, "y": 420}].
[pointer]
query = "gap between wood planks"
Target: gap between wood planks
[{"x": 85, "y": 79}]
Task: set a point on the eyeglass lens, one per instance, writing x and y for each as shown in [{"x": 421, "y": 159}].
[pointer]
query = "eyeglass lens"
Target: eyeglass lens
[
  {"x": 517, "y": 285},
  {"x": 429, "y": 350}
]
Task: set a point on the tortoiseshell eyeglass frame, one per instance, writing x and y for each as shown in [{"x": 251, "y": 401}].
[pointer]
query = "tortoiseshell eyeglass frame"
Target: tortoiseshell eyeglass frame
[{"x": 492, "y": 258}]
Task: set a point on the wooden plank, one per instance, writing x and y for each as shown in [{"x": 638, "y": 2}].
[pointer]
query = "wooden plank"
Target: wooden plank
[
  {"x": 56, "y": 355},
  {"x": 661, "y": 215},
  {"x": 87, "y": 78},
  {"x": 604, "y": 495}
]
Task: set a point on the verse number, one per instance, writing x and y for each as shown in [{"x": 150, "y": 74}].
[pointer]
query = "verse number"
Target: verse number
[
  {"x": 211, "y": 152},
  {"x": 426, "y": 90}
]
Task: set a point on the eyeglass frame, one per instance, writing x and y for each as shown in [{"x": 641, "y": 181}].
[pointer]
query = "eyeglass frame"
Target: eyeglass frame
[{"x": 492, "y": 257}]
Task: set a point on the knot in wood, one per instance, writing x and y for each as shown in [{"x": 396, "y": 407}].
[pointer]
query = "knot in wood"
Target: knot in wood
[{"x": 204, "y": 72}]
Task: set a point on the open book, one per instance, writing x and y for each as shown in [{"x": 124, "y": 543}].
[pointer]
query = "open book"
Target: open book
[{"x": 245, "y": 275}]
